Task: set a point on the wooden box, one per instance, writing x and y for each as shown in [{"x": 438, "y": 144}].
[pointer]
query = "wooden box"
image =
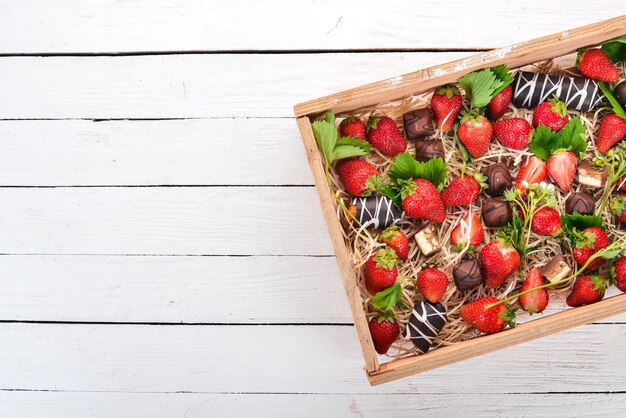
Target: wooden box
[{"x": 422, "y": 81}]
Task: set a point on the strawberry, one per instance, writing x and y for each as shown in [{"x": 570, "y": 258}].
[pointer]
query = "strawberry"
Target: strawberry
[
  {"x": 546, "y": 221},
  {"x": 587, "y": 243},
  {"x": 552, "y": 114},
  {"x": 469, "y": 229},
  {"x": 562, "y": 169},
  {"x": 612, "y": 130},
  {"x": 359, "y": 177},
  {"x": 537, "y": 300},
  {"x": 596, "y": 65},
  {"x": 618, "y": 272},
  {"x": 499, "y": 261},
  {"x": 513, "y": 133},
  {"x": 498, "y": 106},
  {"x": 420, "y": 199},
  {"x": 380, "y": 270},
  {"x": 384, "y": 330},
  {"x": 432, "y": 283},
  {"x": 446, "y": 104},
  {"x": 533, "y": 171},
  {"x": 587, "y": 290},
  {"x": 621, "y": 183},
  {"x": 475, "y": 133},
  {"x": 397, "y": 240},
  {"x": 383, "y": 134},
  {"x": 490, "y": 320},
  {"x": 462, "y": 191},
  {"x": 352, "y": 126},
  {"x": 618, "y": 207}
]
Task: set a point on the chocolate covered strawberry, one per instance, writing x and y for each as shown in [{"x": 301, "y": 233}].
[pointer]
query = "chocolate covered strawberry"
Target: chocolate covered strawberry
[
  {"x": 552, "y": 114},
  {"x": 396, "y": 239},
  {"x": 596, "y": 65},
  {"x": 586, "y": 244},
  {"x": 618, "y": 272},
  {"x": 586, "y": 290},
  {"x": 468, "y": 230},
  {"x": 498, "y": 106},
  {"x": 359, "y": 177},
  {"x": 384, "y": 135},
  {"x": 420, "y": 199},
  {"x": 499, "y": 261},
  {"x": 513, "y": 133},
  {"x": 475, "y": 134},
  {"x": 352, "y": 126},
  {"x": 537, "y": 300},
  {"x": 432, "y": 283},
  {"x": 546, "y": 221},
  {"x": 532, "y": 171},
  {"x": 446, "y": 104},
  {"x": 380, "y": 270},
  {"x": 384, "y": 331},
  {"x": 489, "y": 320},
  {"x": 612, "y": 130},
  {"x": 462, "y": 191}
]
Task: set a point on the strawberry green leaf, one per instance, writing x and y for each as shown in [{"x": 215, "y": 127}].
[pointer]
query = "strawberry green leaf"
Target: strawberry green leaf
[
  {"x": 608, "y": 93},
  {"x": 575, "y": 223},
  {"x": 543, "y": 138},
  {"x": 387, "y": 299},
  {"x": 348, "y": 146},
  {"x": 393, "y": 194},
  {"x": 615, "y": 49},
  {"x": 502, "y": 73},
  {"x": 326, "y": 137},
  {"x": 572, "y": 137},
  {"x": 405, "y": 167},
  {"x": 480, "y": 87},
  {"x": 325, "y": 132}
]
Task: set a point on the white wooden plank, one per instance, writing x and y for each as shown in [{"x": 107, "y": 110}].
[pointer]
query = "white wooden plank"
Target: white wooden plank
[
  {"x": 170, "y": 220},
  {"x": 200, "y": 405},
  {"x": 242, "y": 151},
  {"x": 287, "y": 359},
  {"x": 172, "y": 289},
  {"x": 110, "y": 26},
  {"x": 189, "y": 85}
]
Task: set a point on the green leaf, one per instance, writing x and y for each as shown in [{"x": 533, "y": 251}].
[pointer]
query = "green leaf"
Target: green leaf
[
  {"x": 615, "y": 49},
  {"x": 393, "y": 194},
  {"x": 575, "y": 223},
  {"x": 543, "y": 138},
  {"x": 405, "y": 167},
  {"x": 572, "y": 137},
  {"x": 326, "y": 137},
  {"x": 480, "y": 87},
  {"x": 502, "y": 73},
  {"x": 387, "y": 299},
  {"x": 348, "y": 146},
  {"x": 608, "y": 93}
]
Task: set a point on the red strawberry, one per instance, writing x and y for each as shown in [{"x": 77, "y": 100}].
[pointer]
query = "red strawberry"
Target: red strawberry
[
  {"x": 621, "y": 184},
  {"x": 587, "y": 243},
  {"x": 462, "y": 191},
  {"x": 537, "y": 300},
  {"x": 384, "y": 331},
  {"x": 596, "y": 65},
  {"x": 552, "y": 114},
  {"x": 469, "y": 229},
  {"x": 618, "y": 207},
  {"x": 587, "y": 290},
  {"x": 396, "y": 240},
  {"x": 533, "y": 171},
  {"x": 619, "y": 273},
  {"x": 352, "y": 126},
  {"x": 383, "y": 134},
  {"x": 420, "y": 199},
  {"x": 546, "y": 221},
  {"x": 499, "y": 261},
  {"x": 380, "y": 270},
  {"x": 513, "y": 133},
  {"x": 562, "y": 169},
  {"x": 612, "y": 130},
  {"x": 490, "y": 320},
  {"x": 359, "y": 177},
  {"x": 446, "y": 104},
  {"x": 475, "y": 133},
  {"x": 500, "y": 103},
  {"x": 432, "y": 283}
]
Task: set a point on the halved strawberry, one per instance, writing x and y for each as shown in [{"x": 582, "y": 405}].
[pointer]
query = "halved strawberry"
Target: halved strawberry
[
  {"x": 533, "y": 171},
  {"x": 562, "y": 169},
  {"x": 468, "y": 230},
  {"x": 537, "y": 300}
]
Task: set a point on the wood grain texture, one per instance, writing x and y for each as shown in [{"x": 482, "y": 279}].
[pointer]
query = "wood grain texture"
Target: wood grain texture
[
  {"x": 201, "y": 405},
  {"x": 170, "y": 220},
  {"x": 166, "y": 152},
  {"x": 110, "y": 26},
  {"x": 183, "y": 86},
  {"x": 287, "y": 359}
]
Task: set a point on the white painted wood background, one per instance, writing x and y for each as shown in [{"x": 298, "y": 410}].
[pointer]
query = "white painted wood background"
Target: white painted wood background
[{"x": 163, "y": 252}]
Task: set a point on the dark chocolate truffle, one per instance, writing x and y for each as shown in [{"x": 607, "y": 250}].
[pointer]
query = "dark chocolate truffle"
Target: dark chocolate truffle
[
  {"x": 467, "y": 274},
  {"x": 426, "y": 322},
  {"x": 418, "y": 123},
  {"x": 582, "y": 203},
  {"x": 498, "y": 179},
  {"x": 620, "y": 93},
  {"x": 427, "y": 150},
  {"x": 497, "y": 212}
]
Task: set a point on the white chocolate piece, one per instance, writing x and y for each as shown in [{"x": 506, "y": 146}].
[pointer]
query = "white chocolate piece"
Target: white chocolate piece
[{"x": 427, "y": 241}]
